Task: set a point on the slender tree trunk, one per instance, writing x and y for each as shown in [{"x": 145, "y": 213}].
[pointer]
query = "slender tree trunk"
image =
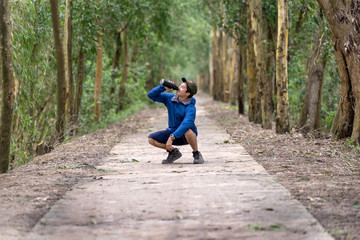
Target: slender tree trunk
[
  {"x": 7, "y": 86},
  {"x": 261, "y": 78},
  {"x": 226, "y": 66},
  {"x": 116, "y": 63},
  {"x": 270, "y": 63},
  {"x": 70, "y": 76},
  {"x": 215, "y": 64},
  {"x": 124, "y": 73},
  {"x": 61, "y": 95},
  {"x": 241, "y": 78},
  {"x": 234, "y": 71},
  {"x": 218, "y": 80},
  {"x": 283, "y": 111},
  {"x": 80, "y": 76},
  {"x": 135, "y": 53},
  {"x": 211, "y": 62},
  {"x": 344, "y": 22},
  {"x": 66, "y": 58},
  {"x": 253, "y": 97},
  {"x": 98, "y": 79},
  {"x": 312, "y": 102}
]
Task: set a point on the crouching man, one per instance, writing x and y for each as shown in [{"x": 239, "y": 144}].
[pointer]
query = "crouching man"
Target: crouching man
[{"x": 181, "y": 120}]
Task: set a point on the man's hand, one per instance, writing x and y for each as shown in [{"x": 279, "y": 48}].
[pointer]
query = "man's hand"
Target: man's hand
[
  {"x": 169, "y": 143},
  {"x": 169, "y": 89}
]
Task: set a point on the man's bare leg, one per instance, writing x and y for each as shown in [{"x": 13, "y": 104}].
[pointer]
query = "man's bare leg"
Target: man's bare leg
[
  {"x": 157, "y": 144},
  {"x": 191, "y": 139}
]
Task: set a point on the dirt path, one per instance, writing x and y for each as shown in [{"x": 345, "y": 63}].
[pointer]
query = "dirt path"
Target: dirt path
[{"x": 229, "y": 197}]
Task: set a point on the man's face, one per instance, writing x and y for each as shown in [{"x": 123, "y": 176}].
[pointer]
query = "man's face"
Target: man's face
[{"x": 182, "y": 90}]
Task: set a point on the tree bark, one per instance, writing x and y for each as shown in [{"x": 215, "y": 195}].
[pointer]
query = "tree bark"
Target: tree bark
[
  {"x": 261, "y": 78},
  {"x": 234, "y": 71},
  {"x": 116, "y": 63},
  {"x": 8, "y": 96},
  {"x": 70, "y": 73},
  {"x": 66, "y": 59},
  {"x": 312, "y": 103},
  {"x": 212, "y": 62},
  {"x": 282, "y": 106},
  {"x": 61, "y": 94},
  {"x": 98, "y": 79},
  {"x": 80, "y": 76},
  {"x": 344, "y": 22},
  {"x": 241, "y": 78},
  {"x": 253, "y": 97},
  {"x": 218, "y": 70},
  {"x": 124, "y": 73}
]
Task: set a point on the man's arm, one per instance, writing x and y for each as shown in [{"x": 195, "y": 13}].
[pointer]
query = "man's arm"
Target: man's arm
[{"x": 156, "y": 95}]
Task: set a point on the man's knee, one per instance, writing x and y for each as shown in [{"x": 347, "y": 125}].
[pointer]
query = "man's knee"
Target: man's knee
[
  {"x": 151, "y": 141},
  {"x": 190, "y": 133}
]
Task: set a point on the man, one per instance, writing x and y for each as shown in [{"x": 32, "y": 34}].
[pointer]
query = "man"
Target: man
[{"x": 181, "y": 120}]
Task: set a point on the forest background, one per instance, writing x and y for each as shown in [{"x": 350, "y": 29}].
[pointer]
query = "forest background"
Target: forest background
[{"x": 71, "y": 67}]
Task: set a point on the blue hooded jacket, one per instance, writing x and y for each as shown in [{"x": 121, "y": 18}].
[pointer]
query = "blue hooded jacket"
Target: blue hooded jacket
[{"x": 181, "y": 115}]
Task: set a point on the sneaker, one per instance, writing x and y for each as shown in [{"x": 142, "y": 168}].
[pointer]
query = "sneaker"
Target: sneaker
[
  {"x": 198, "y": 159},
  {"x": 175, "y": 154}
]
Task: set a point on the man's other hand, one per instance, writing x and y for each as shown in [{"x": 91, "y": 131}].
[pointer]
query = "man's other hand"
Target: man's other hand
[{"x": 169, "y": 146}]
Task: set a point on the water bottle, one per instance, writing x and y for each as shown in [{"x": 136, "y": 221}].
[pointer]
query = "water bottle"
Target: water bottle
[{"x": 168, "y": 84}]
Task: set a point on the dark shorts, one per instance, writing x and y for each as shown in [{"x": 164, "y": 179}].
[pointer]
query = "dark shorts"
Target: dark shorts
[{"x": 163, "y": 136}]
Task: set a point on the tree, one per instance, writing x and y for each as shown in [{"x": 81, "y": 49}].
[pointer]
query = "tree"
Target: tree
[
  {"x": 261, "y": 78},
  {"x": 69, "y": 76},
  {"x": 98, "y": 79},
  {"x": 61, "y": 84},
  {"x": 80, "y": 75},
  {"x": 124, "y": 72},
  {"x": 7, "y": 86},
  {"x": 344, "y": 22},
  {"x": 282, "y": 93},
  {"x": 316, "y": 67},
  {"x": 253, "y": 84}
]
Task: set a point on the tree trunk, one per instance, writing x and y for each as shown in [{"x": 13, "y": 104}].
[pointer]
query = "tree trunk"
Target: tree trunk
[
  {"x": 66, "y": 59},
  {"x": 261, "y": 78},
  {"x": 241, "y": 78},
  {"x": 253, "y": 97},
  {"x": 212, "y": 62},
  {"x": 344, "y": 22},
  {"x": 70, "y": 75},
  {"x": 234, "y": 71},
  {"x": 61, "y": 95},
  {"x": 218, "y": 77},
  {"x": 226, "y": 66},
  {"x": 116, "y": 63},
  {"x": 124, "y": 73},
  {"x": 135, "y": 53},
  {"x": 80, "y": 76},
  {"x": 283, "y": 111},
  {"x": 312, "y": 102},
  {"x": 8, "y": 89},
  {"x": 98, "y": 79}
]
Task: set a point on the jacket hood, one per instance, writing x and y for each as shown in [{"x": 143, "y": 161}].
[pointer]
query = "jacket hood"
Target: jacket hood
[{"x": 188, "y": 101}]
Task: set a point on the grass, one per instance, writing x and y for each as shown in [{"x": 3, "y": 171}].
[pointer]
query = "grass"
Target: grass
[{"x": 257, "y": 227}]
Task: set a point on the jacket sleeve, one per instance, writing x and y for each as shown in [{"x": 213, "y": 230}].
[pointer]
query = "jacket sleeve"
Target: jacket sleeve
[
  {"x": 156, "y": 94},
  {"x": 187, "y": 123}
]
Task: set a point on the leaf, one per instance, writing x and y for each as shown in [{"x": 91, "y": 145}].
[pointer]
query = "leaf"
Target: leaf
[
  {"x": 356, "y": 204},
  {"x": 134, "y": 160}
]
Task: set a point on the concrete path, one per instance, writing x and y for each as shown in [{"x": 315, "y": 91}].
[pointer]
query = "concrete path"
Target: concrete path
[{"x": 229, "y": 197}]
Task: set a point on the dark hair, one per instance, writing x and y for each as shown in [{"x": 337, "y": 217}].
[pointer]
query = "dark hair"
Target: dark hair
[{"x": 189, "y": 91}]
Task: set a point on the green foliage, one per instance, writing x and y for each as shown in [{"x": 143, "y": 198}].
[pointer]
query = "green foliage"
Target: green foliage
[{"x": 167, "y": 39}]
